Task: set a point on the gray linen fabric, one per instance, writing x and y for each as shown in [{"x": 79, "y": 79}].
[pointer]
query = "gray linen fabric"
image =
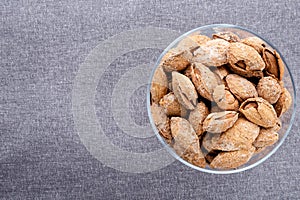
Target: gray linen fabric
[{"x": 43, "y": 44}]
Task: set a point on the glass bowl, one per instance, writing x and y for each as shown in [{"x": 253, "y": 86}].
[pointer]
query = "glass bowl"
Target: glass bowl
[{"x": 287, "y": 118}]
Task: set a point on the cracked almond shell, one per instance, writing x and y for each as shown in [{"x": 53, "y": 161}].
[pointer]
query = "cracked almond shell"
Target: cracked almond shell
[
  {"x": 284, "y": 102},
  {"x": 274, "y": 63},
  {"x": 259, "y": 111}
]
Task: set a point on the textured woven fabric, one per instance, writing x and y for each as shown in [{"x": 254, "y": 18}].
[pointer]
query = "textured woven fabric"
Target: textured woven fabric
[{"x": 43, "y": 44}]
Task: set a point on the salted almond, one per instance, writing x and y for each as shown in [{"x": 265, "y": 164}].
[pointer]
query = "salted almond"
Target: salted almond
[
  {"x": 204, "y": 80},
  {"x": 184, "y": 90},
  {"x": 210, "y": 140},
  {"x": 269, "y": 89},
  {"x": 212, "y": 53},
  {"x": 197, "y": 117},
  {"x": 232, "y": 159},
  {"x": 240, "y": 136},
  {"x": 220, "y": 121},
  {"x": 274, "y": 63},
  {"x": 240, "y": 87},
  {"x": 245, "y": 60},
  {"x": 266, "y": 137},
  {"x": 255, "y": 42},
  {"x": 259, "y": 111},
  {"x": 176, "y": 60},
  {"x": 225, "y": 99},
  {"x": 171, "y": 105},
  {"x": 284, "y": 102},
  {"x": 161, "y": 121},
  {"x": 186, "y": 142},
  {"x": 159, "y": 86}
]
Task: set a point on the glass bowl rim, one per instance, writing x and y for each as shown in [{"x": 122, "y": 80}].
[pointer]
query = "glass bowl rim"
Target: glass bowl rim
[{"x": 171, "y": 150}]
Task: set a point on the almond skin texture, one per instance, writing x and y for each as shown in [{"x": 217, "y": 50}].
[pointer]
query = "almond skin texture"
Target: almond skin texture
[
  {"x": 240, "y": 87},
  {"x": 245, "y": 60},
  {"x": 259, "y": 111},
  {"x": 184, "y": 90},
  {"x": 220, "y": 121},
  {"x": 186, "y": 142},
  {"x": 269, "y": 89}
]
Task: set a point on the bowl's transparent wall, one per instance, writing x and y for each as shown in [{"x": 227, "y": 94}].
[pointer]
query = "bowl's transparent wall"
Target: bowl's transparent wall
[{"x": 286, "y": 118}]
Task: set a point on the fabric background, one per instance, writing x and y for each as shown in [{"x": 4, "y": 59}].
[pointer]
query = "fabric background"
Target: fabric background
[{"x": 42, "y": 45}]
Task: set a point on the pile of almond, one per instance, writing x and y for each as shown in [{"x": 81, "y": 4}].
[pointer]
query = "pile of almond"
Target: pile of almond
[{"x": 217, "y": 101}]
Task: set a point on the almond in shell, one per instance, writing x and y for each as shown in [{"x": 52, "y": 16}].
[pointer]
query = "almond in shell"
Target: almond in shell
[
  {"x": 197, "y": 117},
  {"x": 220, "y": 121},
  {"x": 184, "y": 90},
  {"x": 259, "y": 111},
  {"x": 161, "y": 121},
  {"x": 284, "y": 102},
  {"x": 186, "y": 142},
  {"x": 204, "y": 80},
  {"x": 240, "y": 87},
  {"x": 255, "y": 42},
  {"x": 274, "y": 63},
  {"x": 171, "y": 105},
  {"x": 232, "y": 159},
  {"x": 159, "y": 86},
  {"x": 269, "y": 89},
  {"x": 266, "y": 137},
  {"x": 245, "y": 60},
  {"x": 212, "y": 53},
  {"x": 225, "y": 99},
  {"x": 240, "y": 136},
  {"x": 228, "y": 36}
]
